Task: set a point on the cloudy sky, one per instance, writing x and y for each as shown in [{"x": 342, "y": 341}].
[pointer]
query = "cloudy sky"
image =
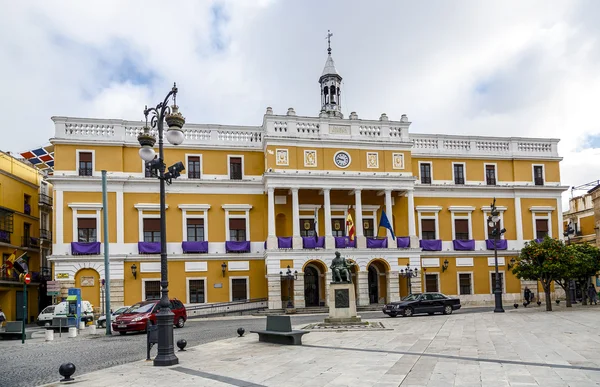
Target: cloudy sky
[{"x": 511, "y": 68}]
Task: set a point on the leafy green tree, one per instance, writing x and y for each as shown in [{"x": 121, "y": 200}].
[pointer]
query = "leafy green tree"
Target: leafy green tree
[
  {"x": 544, "y": 262},
  {"x": 585, "y": 260}
]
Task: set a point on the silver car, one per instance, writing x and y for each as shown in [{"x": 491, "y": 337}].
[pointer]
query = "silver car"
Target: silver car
[{"x": 102, "y": 319}]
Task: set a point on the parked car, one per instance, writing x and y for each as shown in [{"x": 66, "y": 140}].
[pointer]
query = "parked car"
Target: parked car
[
  {"x": 422, "y": 303},
  {"x": 142, "y": 314},
  {"x": 60, "y": 310},
  {"x": 101, "y": 322}
]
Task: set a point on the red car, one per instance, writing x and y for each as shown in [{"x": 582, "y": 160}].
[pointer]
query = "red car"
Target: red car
[{"x": 136, "y": 318}]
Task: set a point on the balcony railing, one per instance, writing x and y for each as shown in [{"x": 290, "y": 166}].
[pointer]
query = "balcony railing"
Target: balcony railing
[
  {"x": 31, "y": 242},
  {"x": 4, "y": 237},
  {"x": 45, "y": 234},
  {"x": 45, "y": 200}
]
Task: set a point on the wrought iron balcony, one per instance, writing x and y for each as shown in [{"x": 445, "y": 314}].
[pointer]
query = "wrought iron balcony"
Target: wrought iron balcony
[
  {"x": 4, "y": 236},
  {"x": 45, "y": 200},
  {"x": 30, "y": 242},
  {"x": 45, "y": 234}
]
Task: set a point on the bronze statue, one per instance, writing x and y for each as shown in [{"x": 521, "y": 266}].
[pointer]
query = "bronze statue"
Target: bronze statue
[{"x": 340, "y": 269}]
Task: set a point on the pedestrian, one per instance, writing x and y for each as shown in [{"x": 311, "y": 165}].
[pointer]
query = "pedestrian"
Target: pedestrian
[
  {"x": 592, "y": 295},
  {"x": 527, "y": 294},
  {"x": 2, "y": 317}
]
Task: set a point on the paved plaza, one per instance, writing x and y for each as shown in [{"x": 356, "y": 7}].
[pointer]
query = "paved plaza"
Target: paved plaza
[{"x": 524, "y": 347}]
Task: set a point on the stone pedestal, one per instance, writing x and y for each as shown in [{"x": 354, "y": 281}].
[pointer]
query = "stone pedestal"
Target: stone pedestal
[{"x": 342, "y": 304}]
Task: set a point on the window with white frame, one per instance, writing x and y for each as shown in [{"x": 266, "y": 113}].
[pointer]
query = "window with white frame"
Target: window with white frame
[
  {"x": 493, "y": 281},
  {"x": 239, "y": 289},
  {"x": 151, "y": 229},
  {"x": 458, "y": 172},
  {"x": 237, "y": 229},
  {"x": 86, "y": 225},
  {"x": 237, "y": 224},
  {"x": 461, "y": 229},
  {"x": 541, "y": 228},
  {"x": 431, "y": 283},
  {"x": 538, "y": 174},
  {"x": 86, "y": 230},
  {"x": 542, "y": 221},
  {"x": 425, "y": 170},
  {"x": 85, "y": 163},
  {"x": 151, "y": 289},
  {"x": 490, "y": 174},
  {"x": 461, "y": 222},
  {"x": 195, "y": 229},
  {"x": 428, "y": 229},
  {"x": 465, "y": 283},
  {"x": 428, "y": 222},
  {"x": 196, "y": 291},
  {"x": 236, "y": 168},
  {"x": 194, "y": 166},
  {"x": 195, "y": 221}
]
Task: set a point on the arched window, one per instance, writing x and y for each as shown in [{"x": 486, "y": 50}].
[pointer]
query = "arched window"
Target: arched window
[
  {"x": 326, "y": 94},
  {"x": 332, "y": 94}
]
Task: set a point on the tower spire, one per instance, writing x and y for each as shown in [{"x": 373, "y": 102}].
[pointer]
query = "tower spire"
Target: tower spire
[
  {"x": 330, "y": 82},
  {"x": 329, "y": 35}
]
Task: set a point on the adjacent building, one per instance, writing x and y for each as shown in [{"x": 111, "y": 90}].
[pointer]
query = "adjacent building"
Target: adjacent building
[
  {"x": 25, "y": 232},
  {"x": 255, "y": 200}
]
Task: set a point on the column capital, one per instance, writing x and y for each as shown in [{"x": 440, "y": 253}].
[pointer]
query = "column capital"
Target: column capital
[
  {"x": 294, "y": 190},
  {"x": 271, "y": 190}
]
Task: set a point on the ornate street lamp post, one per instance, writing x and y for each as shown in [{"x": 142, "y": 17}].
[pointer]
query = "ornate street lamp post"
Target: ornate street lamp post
[
  {"x": 161, "y": 113},
  {"x": 493, "y": 221},
  {"x": 408, "y": 274},
  {"x": 572, "y": 287},
  {"x": 289, "y": 276}
]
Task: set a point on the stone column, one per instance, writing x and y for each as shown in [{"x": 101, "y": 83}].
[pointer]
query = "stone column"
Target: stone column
[
  {"x": 519, "y": 219},
  {"x": 297, "y": 239},
  {"x": 412, "y": 230},
  {"x": 393, "y": 286},
  {"x": 390, "y": 216},
  {"x": 272, "y": 237},
  {"x": 117, "y": 293},
  {"x": 327, "y": 282},
  {"x": 274, "y": 291},
  {"x": 329, "y": 242},
  {"x": 299, "y": 301},
  {"x": 361, "y": 242},
  {"x": 416, "y": 284},
  {"x": 363, "y": 288}
]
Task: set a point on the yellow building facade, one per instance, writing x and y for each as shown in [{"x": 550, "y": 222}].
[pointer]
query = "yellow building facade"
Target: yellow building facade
[
  {"x": 255, "y": 200},
  {"x": 25, "y": 228}
]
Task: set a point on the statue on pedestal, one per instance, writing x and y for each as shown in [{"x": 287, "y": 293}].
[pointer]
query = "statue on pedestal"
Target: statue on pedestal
[{"x": 340, "y": 269}]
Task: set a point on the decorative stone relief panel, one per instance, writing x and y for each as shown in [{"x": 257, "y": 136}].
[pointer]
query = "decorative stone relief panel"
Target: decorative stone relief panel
[
  {"x": 281, "y": 157},
  {"x": 397, "y": 160},
  {"x": 372, "y": 160},
  {"x": 310, "y": 158}
]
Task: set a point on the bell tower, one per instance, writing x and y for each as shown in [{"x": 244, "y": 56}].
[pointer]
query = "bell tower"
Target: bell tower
[{"x": 330, "y": 82}]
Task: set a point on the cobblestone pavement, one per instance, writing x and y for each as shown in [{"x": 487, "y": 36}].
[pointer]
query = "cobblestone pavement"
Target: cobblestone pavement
[{"x": 524, "y": 347}]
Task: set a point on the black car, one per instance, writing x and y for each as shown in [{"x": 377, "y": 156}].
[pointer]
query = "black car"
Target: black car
[{"x": 422, "y": 303}]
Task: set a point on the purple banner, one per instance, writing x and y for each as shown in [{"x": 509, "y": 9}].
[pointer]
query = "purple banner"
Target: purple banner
[
  {"x": 87, "y": 248},
  {"x": 344, "y": 242},
  {"x": 501, "y": 245},
  {"x": 403, "y": 242},
  {"x": 27, "y": 209},
  {"x": 431, "y": 244},
  {"x": 237, "y": 246},
  {"x": 195, "y": 247},
  {"x": 284, "y": 242},
  {"x": 313, "y": 243},
  {"x": 468, "y": 244},
  {"x": 149, "y": 247},
  {"x": 34, "y": 241},
  {"x": 539, "y": 240},
  {"x": 4, "y": 237},
  {"x": 375, "y": 243}
]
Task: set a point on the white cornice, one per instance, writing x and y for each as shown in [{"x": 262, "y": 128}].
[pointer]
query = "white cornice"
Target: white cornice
[
  {"x": 236, "y": 207},
  {"x": 309, "y": 207},
  {"x": 489, "y": 208},
  {"x": 461, "y": 208},
  {"x": 194, "y": 207},
  {"x": 541, "y": 208},
  {"x": 149, "y": 206},
  {"x": 428, "y": 208},
  {"x": 85, "y": 206}
]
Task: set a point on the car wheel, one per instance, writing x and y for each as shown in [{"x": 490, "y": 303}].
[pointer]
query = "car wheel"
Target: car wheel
[
  {"x": 431, "y": 313},
  {"x": 408, "y": 312},
  {"x": 101, "y": 324},
  {"x": 122, "y": 333},
  {"x": 393, "y": 314},
  {"x": 447, "y": 309},
  {"x": 180, "y": 322}
]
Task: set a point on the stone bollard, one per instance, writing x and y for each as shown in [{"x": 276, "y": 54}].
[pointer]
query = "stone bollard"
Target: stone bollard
[
  {"x": 49, "y": 335},
  {"x": 92, "y": 329},
  {"x": 81, "y": 325},
  {"x": 72, "y": 332}
]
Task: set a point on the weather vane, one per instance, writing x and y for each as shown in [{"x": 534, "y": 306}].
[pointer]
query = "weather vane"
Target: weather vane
[{"x": 329, "y": 35}]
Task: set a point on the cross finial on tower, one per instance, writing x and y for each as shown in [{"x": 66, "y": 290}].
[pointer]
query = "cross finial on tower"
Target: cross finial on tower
[{"x": 329, "y": 35}]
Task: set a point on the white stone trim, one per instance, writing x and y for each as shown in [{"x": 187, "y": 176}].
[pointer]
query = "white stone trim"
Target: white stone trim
[
  {"x": 58, "y": 216},
  {"x": 75, "y": 207},
  {"x": 495, "y": 165},
  {"x": 493, "y": 285},
  {"x": 376, "y": 159},
  {"x": 149, "y": 207},
  {"x": 464, "y": 172},
  {"x": 187, "y": 163},
  {"x": 402, "y": 165},
  {"x": 93, "y": 152},
  {"x": 458, "y": 273},
  {"x": 306, "y": 151},
  {"x": 428, "y": 208},
  {"x": 518, "y": 218},
  {"x": 187, "y": 289},
  {"x": 420, "y": 216},
  {"x": 492, "y": 261},
  {"x": 464, "y": 262},
  {"x": 453, "y": 216},
  {"x": 196, "y": 266},
  {"x": 237, "y": 207},
  {"x": 120, "y": 217},
  {"x": 547, "y": 216},
  {"x": 430, "y": 262},
  {"x": 196, "y": 208},
  {"x": 430, "y": 162},
  {"x": 247, "y": 278},
  {"x": 533, "y": 172},
  {"x": 287, "y": 157},
  {"x": 149, "y": 267},
  {"x": 437, "y": 275},
  {"x": 238, "y": 265},
  {"x": 143, "y": 284},
  {"x": 229, "y": 165}
]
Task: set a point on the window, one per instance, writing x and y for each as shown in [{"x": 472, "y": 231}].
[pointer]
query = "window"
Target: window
[
  {"x": 459, "y": 174},
  {"x": 85, "y": 164},
  {"x": 307, "y": 227},
  {"x": 235, "y": 168},
  {"x": 151, "y": 229},
  {"x": 193, "y": 169},
  {"x": 431, "y": 283},
  {"x": 538, "y": 174},
  {"x": 461, "y": 229},
  {"x": 501, "y": 276},
  {"x": 152, "y": 290},
  {"x": 195, "y": 230},
  {"x": 464, "y": 284},
  {"x": 86, "y": 230},
  {"x": 490, "y": 174},
  {"x": 196, "y": 291},
  {"x": 338, "y": 227},
  {"x": 541, "y": 228},
  {"x": 237, "y": 230},
  {"x": 27, "y": 204},
  {"x": 368, "y": 229},
  {"x": 426, "y": 173},
  {"x": 428, "y": 229},
  {"x": 238, "y": 289}
]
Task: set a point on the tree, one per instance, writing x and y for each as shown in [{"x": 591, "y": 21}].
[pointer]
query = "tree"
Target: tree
[
  {"x": 544, "y": 262},
  {"x": 585, "y": 260}
]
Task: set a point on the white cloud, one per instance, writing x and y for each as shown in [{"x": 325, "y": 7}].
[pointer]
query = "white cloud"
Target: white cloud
[{"x": 509, "y": 68}]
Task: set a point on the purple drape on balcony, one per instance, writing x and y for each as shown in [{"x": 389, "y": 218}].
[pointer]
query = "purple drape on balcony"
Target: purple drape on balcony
[
  {"x": 539, "y": 240},
  {"x": 313, "y": 243},
  {"x": 195, "y": 247},
  {"x": 27, "y": 209},
  {"x": 237, "y": 246},
  {"x": 4, "y": 237},
  {"x": 501, "y": 245},
  {"x": 431, "y": 244},
  {"x": 403, "y": 242},
  {"x": 87, "y": 248},
  {"x": 284, "y": 242},
  {"x": 375, "y": 243},
  {"x": 34, "y": 241},
  {"x": 468, "y": 244},
  {"x": 149, "y": 247},
  {"x": 344, "y": 242}
]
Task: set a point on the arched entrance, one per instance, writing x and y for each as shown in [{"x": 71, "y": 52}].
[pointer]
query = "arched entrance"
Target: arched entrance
[
  {"x": 314, "y": 283},
  {"x": 373, "y": 285},
  {"x": 377, "y": 281},
  {"x": 88, "y": 280}
]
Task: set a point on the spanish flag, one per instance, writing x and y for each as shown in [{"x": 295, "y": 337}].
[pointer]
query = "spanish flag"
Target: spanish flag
[
  {"x": 9, "y": 263},
  {"x": 350, "y": 227}
]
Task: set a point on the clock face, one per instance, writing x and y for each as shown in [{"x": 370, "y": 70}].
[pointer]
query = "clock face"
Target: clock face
[{"x": 342, "y": 159}]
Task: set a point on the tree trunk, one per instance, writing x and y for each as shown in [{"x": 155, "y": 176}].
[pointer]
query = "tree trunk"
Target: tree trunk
[
  {"x": 546, "y": 287},
  {"x": 565, "y": 287}
]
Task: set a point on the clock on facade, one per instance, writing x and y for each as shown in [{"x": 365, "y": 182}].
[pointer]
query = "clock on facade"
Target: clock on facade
[{"x": 342, "y": 159}]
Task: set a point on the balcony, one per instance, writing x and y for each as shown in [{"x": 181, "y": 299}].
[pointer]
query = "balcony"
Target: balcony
[
  {"x": 45, "y": 200},
  {"x": 30, "y": 242},
  {"x": 45, "y": 234},
  {"x": 85, "y": 248}
]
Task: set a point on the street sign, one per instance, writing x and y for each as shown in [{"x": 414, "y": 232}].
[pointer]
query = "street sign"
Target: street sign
[
  {"x": 53, "y": 288},
  {"x": 27, "y": 278}
]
